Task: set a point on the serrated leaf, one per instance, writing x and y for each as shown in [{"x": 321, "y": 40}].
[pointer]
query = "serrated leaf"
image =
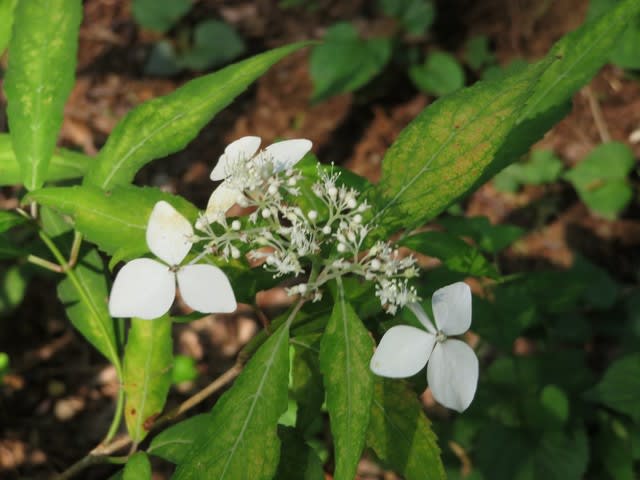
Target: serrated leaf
[
  {"x": 6, "y": 22},
  {"x": 619, "y": 389},
  {"x": 346, "y": 62},
  {"x": 137, "y": 467},
  {"x": 239, "y": 438},
  {"x": 441, "y": 154},
  {"x": 84, "y": 295},
  {"x": 148, "y": 359},
  {"x": 64, "y": 165},
  {"x": 455, "y": 253},
  {"x": 42, "y": 62},
  {"x": 167, "y": 124},
  {"x": 400, "y": 433},
  {"x": 345, "y": 352},
  {"x": 116, "y": 221},
  {"x": 298, "y": 461}
]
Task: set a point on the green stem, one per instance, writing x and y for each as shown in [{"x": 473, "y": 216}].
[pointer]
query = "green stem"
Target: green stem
[
  {"x": 117, "y": 417},
  {"x": 75, "y": 249},
  {"x": 46, "y": 264}
]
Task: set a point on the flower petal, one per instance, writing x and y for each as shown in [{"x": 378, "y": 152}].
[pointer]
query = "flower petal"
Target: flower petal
[
  {"x": 143, "y": 288},
  {"x": 240, "y": 150},
  {"x": 168, "y": 233},
  {"x": 403, "y": 351},
  {"x": 452, "y": 374},
  {"x": 421, "y": 315},
  {"x": 287, "y": 153},
  {"x": 452, "y": 308},
  {"x": 206, "y": 288}
]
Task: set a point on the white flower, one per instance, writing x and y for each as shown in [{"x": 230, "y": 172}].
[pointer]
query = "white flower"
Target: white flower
[
  {"x": 280, "y": 156},
  {"x": 452, "y": 371},
  {"x": 146, "y": 288}
]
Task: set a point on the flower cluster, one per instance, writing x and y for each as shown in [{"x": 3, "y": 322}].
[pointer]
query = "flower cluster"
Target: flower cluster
[{"x": 286, "y": 232}]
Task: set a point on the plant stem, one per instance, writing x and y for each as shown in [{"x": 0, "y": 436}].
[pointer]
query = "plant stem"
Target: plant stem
[
  {"x": 46, "y": 264},
  {"x": 117, "y": 417},
  {"x": 75, "y": 249}
]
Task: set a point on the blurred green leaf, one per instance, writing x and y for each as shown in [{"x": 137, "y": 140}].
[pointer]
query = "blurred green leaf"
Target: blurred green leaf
[
  {"x": 345, "y": 352},
  {"x": 148, "y": 359},
  {"x": 477, "y": 52},
  {"x": 400, "y": 433},
  {"x": 601, "y": 178},
  {"x": 542, "y": 167},
  {"x": 65, "y": 164},
  {"x": 184, "y": 369},
  {"x": 4, "y": 364},
  {"x": 498, "y": 72},
  {"x": 84, "y": 296},
  {"x": 137, "y": 467},
  {"x": 9, "y": 219},
  {"x": 298, "y": 461},
  {"x": 619, "y": 389},
  {"x": 159, "y": 15},
  {"x": 167, "y": 124},
  {"x": 415, "y": 16},
  {"x": 6, "y": 22},
  {"x": 162, "y": 60},
  {"x": 601, "y": 290},
  {"x": 455, "y": 253},
  {"x": 489, "y": 238},
  {"x": 214, "y": 43},
  {"x": 555, "y": 402},
  {"x": 612, "y": 448},
  {"x": 242, "y": 424},
  {"x": 626, "y": 52},
  {"x": 107, "y": 218},
  {"x": 440, "y": 74},
  {"x": 42, "y": 62},
  {"x": 345, "y": 62}
]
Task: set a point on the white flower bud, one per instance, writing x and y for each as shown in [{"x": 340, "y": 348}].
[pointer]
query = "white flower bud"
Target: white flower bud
[
  {"x": 235, "y": 253},
  {"x": 375, "y": 264},
  {"x": 236, "y": 225},
  {"x": 333, "y": 191},
  {"x": 302, "y": 288},
  {"x": 351, "y": 236},
  {"x": 326, "y": 229},
  {"x": 272, "y": 189},
  {"x": 351, "y": 202},
  {"x": 292, "y": 182},
  {"x": 357, "y": 218},
  {"x": 313, "y": 215},
  {"x": 342, "y": 247},
  {"x": 266, "y": 213},
  {"x": 271, "y": 260}
]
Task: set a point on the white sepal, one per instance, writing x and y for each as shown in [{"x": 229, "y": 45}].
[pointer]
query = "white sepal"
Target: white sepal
[
  {"x": 168, "y": 233},
  {"x": 421, "y": 315},
  {"x": 287, "y": 153},
  {"x": 452, "y": 374},
  {"x": 240, "y": 150},
  {"x": 143, "y": 288},
  {"x": 452, "y": 308},
  {"x": 206, "y": 288},
  {"x": 403, "y": 351}
]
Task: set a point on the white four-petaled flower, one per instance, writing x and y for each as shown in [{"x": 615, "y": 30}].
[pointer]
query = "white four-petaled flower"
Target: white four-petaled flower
[
  {"x": 146, "y": 288},
  {"x": 282, "y": 156},
  {"x": 452, "y": 370}
]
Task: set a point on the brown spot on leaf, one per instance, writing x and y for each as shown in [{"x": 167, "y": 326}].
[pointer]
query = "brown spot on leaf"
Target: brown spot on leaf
[{"x": 148, "y": 423}]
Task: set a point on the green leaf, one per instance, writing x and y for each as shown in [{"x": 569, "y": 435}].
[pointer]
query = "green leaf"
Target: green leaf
[
  {"x": 65, "y": 164},
  {"x": 214, "y": 43},
  {"x": 416, "y": 16},
  {"x": 346, "y": 62},
  {"x": 159, "y": 15},
  {"x": 601, "y": 178},
  {"x": 8, "y": 220},
  {"x": 116, "y": 221},
  {"x": 42, "y": 62},
  {"x": 345, "y": 352},
  {"x": 542, "y": 167},
  {"x": 148, "y": 360},
  {"x": 298, "y": 461},
  {"x": 477, "y": 52},
  {"x": 167, "y": 124},
  {"x": 84, "y": 294},
  {"x": 455, "y": 253},
  {"x": 401, "y": 434},
  {"x": 13, "y": 285},
  {"x": 619, "y": 388},
  {"x": 184, "y": 369},
  {"x": 175, "y": 443},
  {"x": 440, "y": 74},
  {"x": 489, "y": 238},
  {"x": 137, "y": 467},
  {"x": 6, "y": 22},
  {"x": 626, "y": 52},
  {"x": 562, "y": 456},
  {"x": 238, "y": 439},
  {"x": 162, "y": 60},
  {"x": 306, "y": 380},
  {"x": 440, "y": 155}
]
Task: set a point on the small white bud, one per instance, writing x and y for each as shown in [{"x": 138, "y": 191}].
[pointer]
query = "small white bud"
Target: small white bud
[
  {"x": 342, "y": 247},
  {"x": 266, "y": 213},
  {"x": 341, "y": 238},
  {"x": 326, "y": 229},
  {"x": 333, "y": 191},
  {"x": 362, "y": 207},
  {"x": 357, "y": 218},
  {"x": 351, "y": 236},
  {"x": 235, "y": 253},
  {"x": 236, "y": 225},
  {"x": 351, "y": 202},
  {"x": 292, "y": 182},
  {"x": 302, "y": 288},
  {"x": 272, "y": 189},
  {"x": 271, "y": 260},
  {"x": 312, "y": 215},
  {"x": 375, "y": 264}
]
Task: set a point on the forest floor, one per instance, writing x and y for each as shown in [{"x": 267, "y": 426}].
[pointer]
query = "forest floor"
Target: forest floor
[{"x": 57, "y": 402}]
